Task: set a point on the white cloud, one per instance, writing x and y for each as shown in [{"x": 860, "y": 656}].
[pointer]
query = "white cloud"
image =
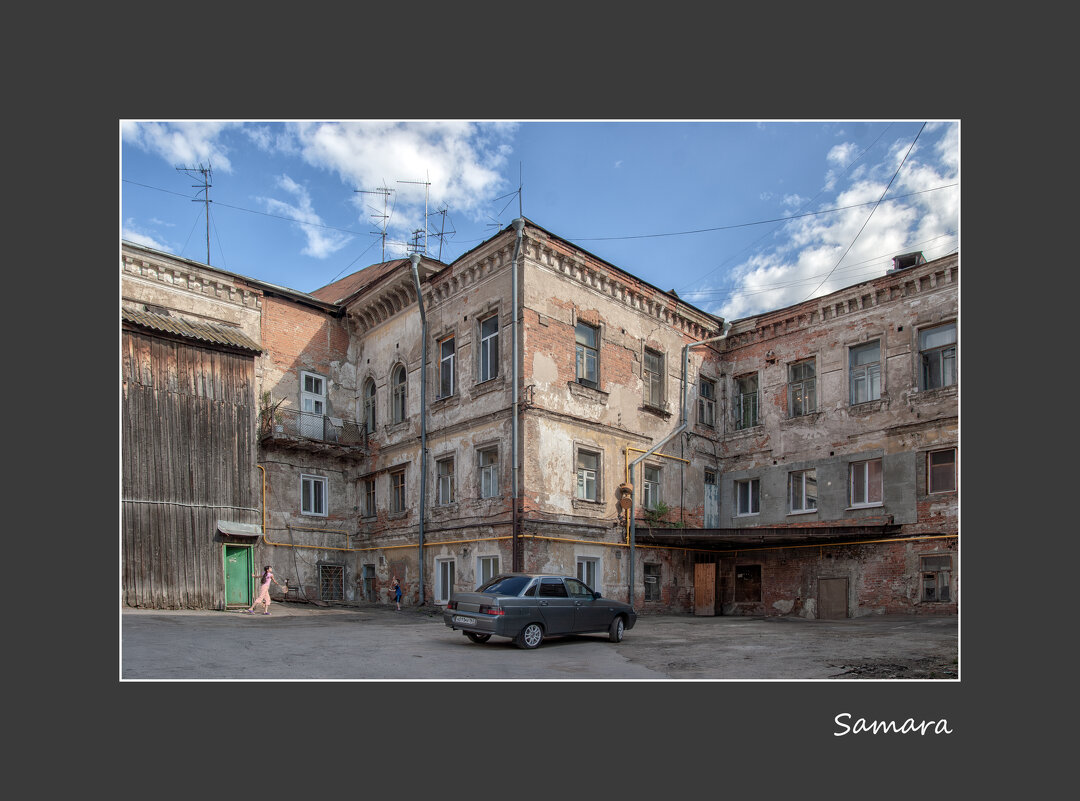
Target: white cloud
[
  {"x": 182, "y": 144},
  {"x": 129, "y": 232},
  {"x": 321, "y": 242}
]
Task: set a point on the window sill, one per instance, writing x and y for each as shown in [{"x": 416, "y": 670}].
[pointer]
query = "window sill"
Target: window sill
[
  {"x": 396, "y": 515},
  {"x": 868, "y": 407},
  {"x": 746, "y": 515},
  {"x": 803, "y": 512},
  {"x": 585, "y": 503},
  {"x": 853, "y": 507},
  {"x": 446, "y": 400},
  {"x": 491, "y": 385},
  {"x": 656, "y": 410},
  {"x": 588, "y": 393},
  {"x": 808, "y": 417}
]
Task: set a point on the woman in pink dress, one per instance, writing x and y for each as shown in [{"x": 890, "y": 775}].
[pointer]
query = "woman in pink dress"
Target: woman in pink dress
[{"x": 264, "y": 590}]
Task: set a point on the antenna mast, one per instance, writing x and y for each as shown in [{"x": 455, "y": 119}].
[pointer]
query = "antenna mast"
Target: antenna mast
[
  {"x": 207, "y": 173},
  {"x": 442, "y": 229},
  {"x": 385, "y": 192},
  {"x": 425, "y": 184}
]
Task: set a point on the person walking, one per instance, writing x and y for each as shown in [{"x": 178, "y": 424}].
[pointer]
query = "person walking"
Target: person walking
[
  {"x": 264, "y": 590},
  {"x": 397, "y": 593}
]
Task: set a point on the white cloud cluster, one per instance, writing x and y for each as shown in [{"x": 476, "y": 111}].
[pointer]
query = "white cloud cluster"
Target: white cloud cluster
[
  {"x": 321, "y": 241},
  {"x": 182, "y": 144},
  {"x": 823, "y": 253}
]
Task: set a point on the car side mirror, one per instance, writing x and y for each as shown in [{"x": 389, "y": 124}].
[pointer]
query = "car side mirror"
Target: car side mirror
[{"x": 596, "y": 596}]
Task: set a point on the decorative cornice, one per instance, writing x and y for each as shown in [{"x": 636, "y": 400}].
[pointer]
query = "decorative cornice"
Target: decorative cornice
[{"x": 177, "y": 275}]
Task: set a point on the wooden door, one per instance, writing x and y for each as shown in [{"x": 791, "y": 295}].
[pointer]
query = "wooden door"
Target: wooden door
[
  {"x": 832, "y": 599},
  {"x": 705, "y": 588}
]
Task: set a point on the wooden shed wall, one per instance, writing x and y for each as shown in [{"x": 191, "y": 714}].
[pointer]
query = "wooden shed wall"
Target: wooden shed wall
[{"x": 188, "y": 451}]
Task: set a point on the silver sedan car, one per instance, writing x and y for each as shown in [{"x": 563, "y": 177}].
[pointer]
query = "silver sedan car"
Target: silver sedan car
[{"x": 527, "y": 607}]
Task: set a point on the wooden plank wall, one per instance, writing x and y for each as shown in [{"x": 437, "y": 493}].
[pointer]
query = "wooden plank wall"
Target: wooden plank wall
[{"x": 188, "y": 451}]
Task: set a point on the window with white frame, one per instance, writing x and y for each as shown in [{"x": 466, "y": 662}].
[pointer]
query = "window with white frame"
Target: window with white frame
[
  {"x": 487, "y": 568},
  {"x": 937, "y": 356},
  {"x": 652, "y": 375},
  {"x": 803, "y": 490},
  {"x": 588, "y": 568},
  {"x": 936, "y": 577},
  {"x": 802, "y": 388},
  {"x": 489, "y": 348},
  {"x": 446, "y": 367},
  {"x": 706, "y": 405},
  {"x": 864, "y": 368},
  {"x": 866, "y": 483},
  {"x": 489, "y": 472},
  {"x": 587, "y": 339},
  {"x": 748, "y": 496},
  {"x": 312, "y": 404},
  {"x": 746, "y": 401},
  {"x": 369, "y": 405},
  {"x": 399, "y": 394},
  {"x": 397, "y": 491},
  {"x": 941, "y": 470},
  {"x": 367, "y": 489},
  {"x": 588, "y": 474},
  {"x": 445, "y": 487},
  {"x": 650, "y": 486},
  {"x": 313, "y": 499}
]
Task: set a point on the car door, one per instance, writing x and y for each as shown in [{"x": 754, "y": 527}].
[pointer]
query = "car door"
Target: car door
[
  {"x": 556, "y": 606},
  {"x": 590, "y": 614}
]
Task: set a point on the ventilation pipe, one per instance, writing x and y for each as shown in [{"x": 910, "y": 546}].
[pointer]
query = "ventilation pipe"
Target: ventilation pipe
[
  {"x": 415, "y": 259},
  {"x": 515, "y": 556},
  {"x": 683, "y": 421}
]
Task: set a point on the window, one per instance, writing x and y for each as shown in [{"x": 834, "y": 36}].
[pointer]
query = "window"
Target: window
[
  {"x": 552, "y": 588},
  {"x": 803, "y": 490},
  {"x": 937, "y": 354},
  {"x": 312, "y": 405},
  {"x": 577, "y": 589},
  {"x": 369, "y": 405},
  {"x": 746, "y": 401},
  {"x": 941, "y": 470},
  {"x": 651, "y": 488},
  {"x": 747, "y": 583},
  {"x": 444, "y": 580},
  {"x": 866, "y": 483},
  {"x": 588, "y": 474},
  {"x": 706, "y": 405},
  {"x": 332, "y": 582},
  {"x": 445, "y": 489},
  {"x": 587, "y": 569},
  {"x": 367, "y": 489},
  {"x": 748, "y": 496},
  {"x": 489, "y": 472},
  {"x": 651, "y": 576},
  {"x": 936, "y": 572},
  {"x": 865, "y": 372},
  {"x": 489, "y": 348},
  {"x": 400, "y": 395},
  {"x": 587, "y": 337},
  {"x": 487, "y": 568},
  {"x": 313, "y": 495},
  {"x": 712, "y": 501},
  {"x": 446, "y": 368},
  {"x": 802, "y": 388},
  {"x": 652, "y": 374},
  {"x": 397, "y": 491}
]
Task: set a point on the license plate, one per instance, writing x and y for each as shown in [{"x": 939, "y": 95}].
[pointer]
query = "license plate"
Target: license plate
[{"x": 461, "y": 619}]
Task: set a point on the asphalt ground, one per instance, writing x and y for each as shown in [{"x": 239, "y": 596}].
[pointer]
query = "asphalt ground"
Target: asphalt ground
[{"x": 301, "y": 641}]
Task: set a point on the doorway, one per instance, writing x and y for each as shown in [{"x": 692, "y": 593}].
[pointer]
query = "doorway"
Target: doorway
[
  {"x": 368, "y": 582},
  {"x": 832, "y": 598},
  {"x": 705, "y": 588},
  {"x": 238, "y": 579}
]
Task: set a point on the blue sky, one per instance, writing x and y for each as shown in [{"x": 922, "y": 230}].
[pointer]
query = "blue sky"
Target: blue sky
[{"x": 737, "y": 217}]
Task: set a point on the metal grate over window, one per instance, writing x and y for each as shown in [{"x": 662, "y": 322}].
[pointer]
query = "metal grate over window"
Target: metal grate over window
[{"x": 332, "y": 582}]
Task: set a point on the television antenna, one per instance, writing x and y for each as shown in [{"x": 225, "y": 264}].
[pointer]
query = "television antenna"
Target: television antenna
[
  {"x": 207, "y": 174},
  {"x": 425, "y": 184},
  {"x": 385, "y": 192}
]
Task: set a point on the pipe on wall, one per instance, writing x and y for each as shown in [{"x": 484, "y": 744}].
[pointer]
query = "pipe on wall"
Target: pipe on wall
[
  {"x": 515, "y": 558},
  {"x": 415, "y": 259}
]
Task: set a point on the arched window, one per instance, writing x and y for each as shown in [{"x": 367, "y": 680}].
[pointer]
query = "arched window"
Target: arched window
[
  {"x": 369, "y": 405},
  {"x": 399, "y": 393}
]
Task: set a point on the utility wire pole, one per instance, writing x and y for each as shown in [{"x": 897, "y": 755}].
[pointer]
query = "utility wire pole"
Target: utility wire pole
[
  {"x": 385, "y": 192},
  {"x": 207, "y": 174}
]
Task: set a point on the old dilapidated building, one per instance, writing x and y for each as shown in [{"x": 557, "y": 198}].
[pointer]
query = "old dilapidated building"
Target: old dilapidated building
[{"x": 540, "y": 409}]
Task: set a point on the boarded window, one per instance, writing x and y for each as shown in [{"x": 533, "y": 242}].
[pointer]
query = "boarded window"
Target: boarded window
[
  {"x": 747, "y": 583},
  {"x": 936, "y": 578},
  {"x": 652, "y": 582}
]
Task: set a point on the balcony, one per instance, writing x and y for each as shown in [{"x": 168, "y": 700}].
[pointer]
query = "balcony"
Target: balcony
[{"x": 308, "y": 431}]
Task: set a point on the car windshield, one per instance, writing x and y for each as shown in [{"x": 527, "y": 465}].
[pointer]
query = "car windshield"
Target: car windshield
[{"x": 505, "y": 585}]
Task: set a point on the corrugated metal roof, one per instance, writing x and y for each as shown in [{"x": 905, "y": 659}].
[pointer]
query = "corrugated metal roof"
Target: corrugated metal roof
[{"x": 206, "y": 332}]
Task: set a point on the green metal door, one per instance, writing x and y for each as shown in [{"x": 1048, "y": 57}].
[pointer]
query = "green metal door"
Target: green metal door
[{"x": 238, "y": 568}]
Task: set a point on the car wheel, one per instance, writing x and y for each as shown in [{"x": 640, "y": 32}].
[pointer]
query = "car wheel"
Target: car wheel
[
  {"x": 530, "y": 637},
  {"x": 615, "y": 631},
  {"x": 472, "y": 635}
]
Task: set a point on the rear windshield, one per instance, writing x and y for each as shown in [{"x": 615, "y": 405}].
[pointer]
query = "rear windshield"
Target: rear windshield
[{"x": 505, "y": 585}]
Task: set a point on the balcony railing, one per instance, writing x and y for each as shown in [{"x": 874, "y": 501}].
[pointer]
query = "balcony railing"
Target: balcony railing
[{"x": 292, "y": 423}]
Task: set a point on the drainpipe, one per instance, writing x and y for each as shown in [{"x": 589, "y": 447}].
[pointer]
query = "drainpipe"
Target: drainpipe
[
  {"x": 515, "y": 556},
  {"x": 415, "y": 259},
  {"x": 683, "y": 420}
]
